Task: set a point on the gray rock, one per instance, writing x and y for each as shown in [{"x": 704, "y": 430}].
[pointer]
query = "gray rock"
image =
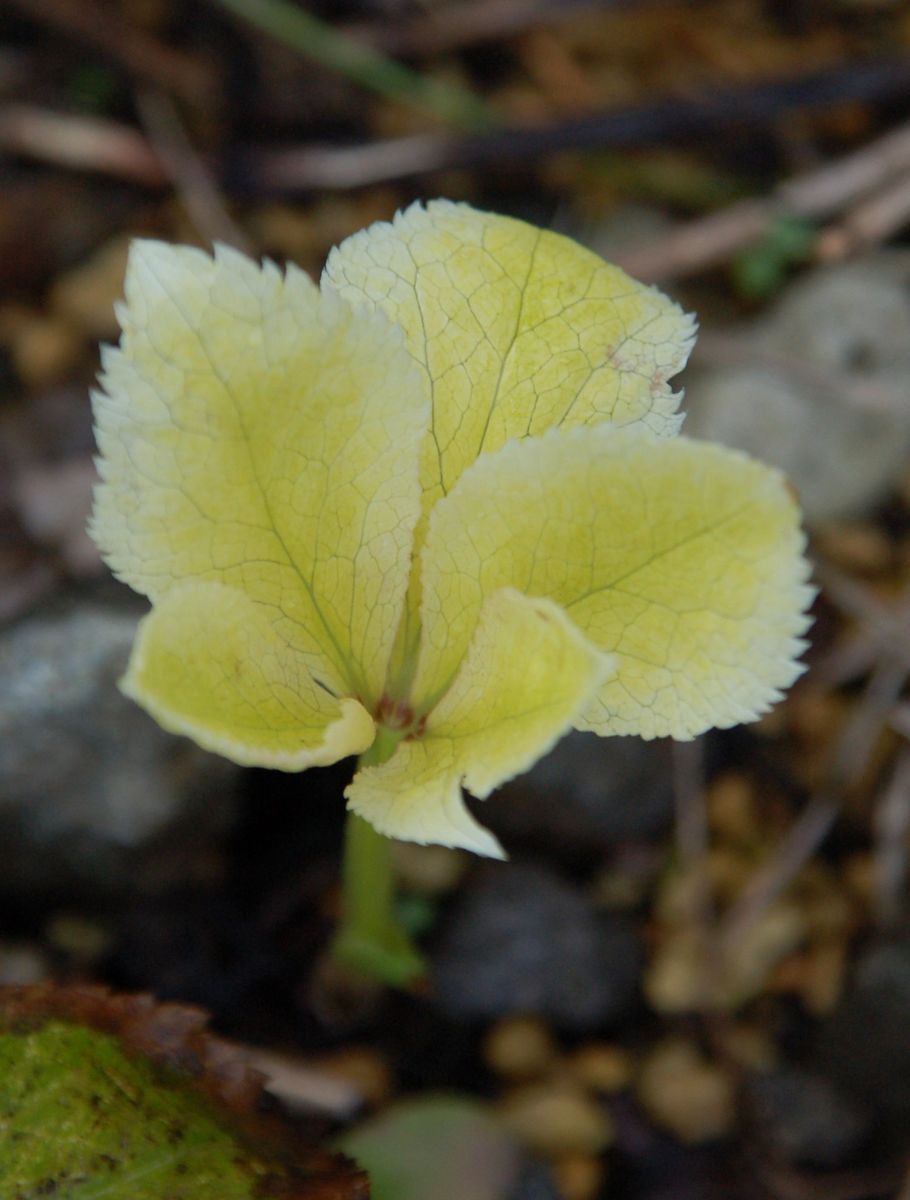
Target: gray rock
[
  {"x": 588, "y": 792},
  {"x": 87, "y": 779},
  {"x": 806, "y": 1120},
  {"x": 521, "y": 940},
  {"x": 821, "y": 382},
  {"x": 534, "y": 1183},
  {"x": 865, "y": 1046}
]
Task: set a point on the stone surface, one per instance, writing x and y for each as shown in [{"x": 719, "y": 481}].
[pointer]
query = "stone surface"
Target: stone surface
[
  {"x": 819, "y": 382},
  {"x": 684, "y": 1092},
  {"x": 865, "y": 1048},
  {"x": 556, "y": 1117},
  {"x": 534, "y": 1183},
  {"x": 587, "y": 793},
  {"x": 804, "y": 1119},
  {"x": 88, "y": 780},
  {"x": 521, "y": 940}
]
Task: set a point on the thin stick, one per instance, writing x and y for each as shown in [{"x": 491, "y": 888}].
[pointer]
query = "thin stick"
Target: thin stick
[
  {"x": 303, "y": 1087},
  {"x": 691, "y": 816},
  {"x": 675, "y": 118},
  {"x": 883, "y": 628},
  {"x": 873, "y": 220},
  {"x": 714, "y": 239},
  {"x": 321, "y": 42},
  {"x": 192, "y": 181},
  {"x": 82, "y": 143},
  {"x": 815, "y": 821},
  {"x": 692, "y": 849},
  {"x": 892, "y": 823}
]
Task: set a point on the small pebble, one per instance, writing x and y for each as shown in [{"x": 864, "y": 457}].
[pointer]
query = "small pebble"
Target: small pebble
[
  {"x": 749, "y": 1046},
  {"x": 603, "y": 1068},
  {"x": 778, "y": 932},
  {"x": 429, "y": 870},
  {"x": 678, "y": 897},
  {"x": 816, "y": 976},
  {"x": 676, "y": 981},
  {"x": 578, "y": 1176},
  {"x": 80, "y": 939},
  {"x": 686, "y": 1094},
  {"x": 864, "y": 1047},
  {"x": 535, "y": 1182},
  {"x": 85, "y": 296},
  {"x": 44, "y": 350},
  {"x": 519, "y": 1048},
  {"x": 555, "y": 1118},
  {"x": 806, "y": 1120},
  {"x": 732, "y": 811},
  {"x": 363, "y": 1068},
  {"x": 521, "y": 940},
  {"x": 22, "y": 964}
]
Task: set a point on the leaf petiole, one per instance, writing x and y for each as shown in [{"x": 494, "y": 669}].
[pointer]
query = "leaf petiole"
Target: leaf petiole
[{"x": 370, "y": 939}]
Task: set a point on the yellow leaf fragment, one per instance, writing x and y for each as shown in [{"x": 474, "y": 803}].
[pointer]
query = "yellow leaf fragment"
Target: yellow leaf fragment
[
  {"x": 257, "y": 433},
  {"x": 518, "y": 330},
  {"x": 682, "y": 558},
  {"x": 527, "y": 676},
  {"x": 210, "y": 663}
]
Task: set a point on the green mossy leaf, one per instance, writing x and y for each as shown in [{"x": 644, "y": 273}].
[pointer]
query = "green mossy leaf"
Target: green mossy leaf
[
  {"x": 80, "y": 1118},
  {"x": 106, "y": 1097}
]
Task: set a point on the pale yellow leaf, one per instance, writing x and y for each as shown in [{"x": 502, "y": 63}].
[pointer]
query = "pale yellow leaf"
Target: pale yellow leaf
[
  {"x": 256, "y": 433},
  {"x": 210, "y": 663},
  {"x": 527, "y": 675},
  {"x": 682, "y": 558},
  {"x": 518, "y": 330}
]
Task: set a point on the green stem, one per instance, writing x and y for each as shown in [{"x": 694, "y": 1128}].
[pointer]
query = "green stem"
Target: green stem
[
  {"x": 370, "y": 940},
  {"x": 318, "y": 40}
]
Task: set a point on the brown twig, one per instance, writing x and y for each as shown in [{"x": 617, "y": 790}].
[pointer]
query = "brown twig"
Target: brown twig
[
  {"x": 676, "y": 118},
  {"x": 191, "y": 179},
  {"x": 692, "y": 850},
  {"x": 117, "y": 39},
  {"x": 82, "y": 143},
  {"x": 714, "y": 239},
  {"x": 691, "y": 815},
  {"x": 814, "y": 823},
  {"x": 873, "y": 220},
  {"x": 881, "y": 628},
  {"x": 454, "y": 26},
  {"x": 303, "y": 1087},
  {"x": 892, "y": 824}
]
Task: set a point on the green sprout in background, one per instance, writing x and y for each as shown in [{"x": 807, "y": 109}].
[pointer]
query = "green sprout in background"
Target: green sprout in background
[{"x": 435, "y": 513}]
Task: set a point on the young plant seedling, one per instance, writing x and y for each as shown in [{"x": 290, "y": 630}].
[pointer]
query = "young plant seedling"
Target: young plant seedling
[{"x": 435, "y": 513}]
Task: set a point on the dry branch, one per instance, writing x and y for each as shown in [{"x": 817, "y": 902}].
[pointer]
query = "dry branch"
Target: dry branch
[
  {"x": 80, "y": 143},
  {"x": 867, "y": 721},
  {"x": 714, "y": 239},
  {"x": 190, "y": 176},
  {"x": 677, "y": 118}
]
